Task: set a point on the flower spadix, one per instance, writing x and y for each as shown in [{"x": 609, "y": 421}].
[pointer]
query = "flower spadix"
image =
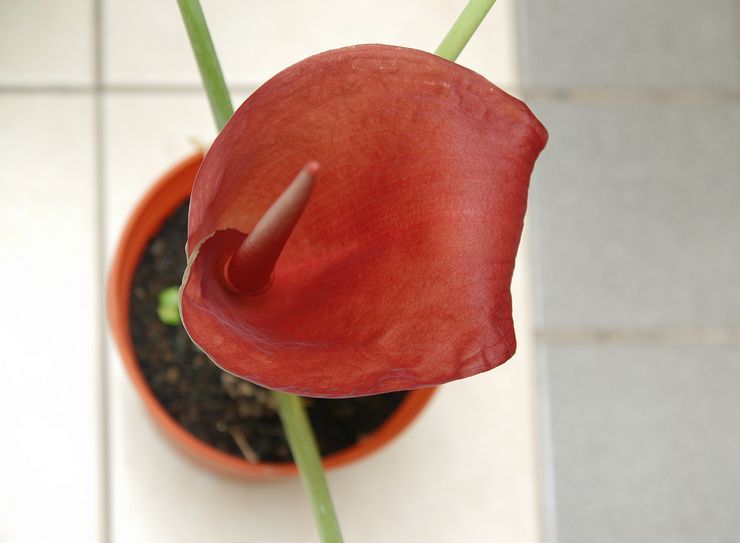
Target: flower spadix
[{"x": 388, "y": 266}]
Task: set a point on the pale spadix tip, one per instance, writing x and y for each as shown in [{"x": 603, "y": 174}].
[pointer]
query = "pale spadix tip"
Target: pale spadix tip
[{"x": 249, "y": 270}]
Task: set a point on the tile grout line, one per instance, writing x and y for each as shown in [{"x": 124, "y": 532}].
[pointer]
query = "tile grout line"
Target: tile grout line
[
  {"x": 117, "y": 88},
  {"x": 545, "y": 491},
  {"x": 548, "y": 499},
  {"x": 636, "y": 95},
  {"x": 539, "y": 402},
  {"x": 100, "y": 219},
  {"x": 657, "y": 336}
]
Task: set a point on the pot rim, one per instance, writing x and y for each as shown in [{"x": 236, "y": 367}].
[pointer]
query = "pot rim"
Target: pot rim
[{"x": 153, "y": 208}]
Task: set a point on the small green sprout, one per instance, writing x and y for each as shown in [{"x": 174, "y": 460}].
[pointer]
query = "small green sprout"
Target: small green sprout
[{"x": 168, "y": 310}]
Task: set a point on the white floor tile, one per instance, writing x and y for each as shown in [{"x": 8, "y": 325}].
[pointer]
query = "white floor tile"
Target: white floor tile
[
  {"x": 50, "y": 464},
  {"x": 255, "y": 40},
  {"x": 465, "y": 472},
  {"x": 46, "y": 42},
  {"x": 145, "y": 136}
]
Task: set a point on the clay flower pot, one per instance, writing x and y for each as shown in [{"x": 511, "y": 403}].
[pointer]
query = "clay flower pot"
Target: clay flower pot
[{"x": 156, "y": 206}]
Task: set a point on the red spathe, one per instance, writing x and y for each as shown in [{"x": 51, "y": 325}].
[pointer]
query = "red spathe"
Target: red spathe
[{"x": 397, "y": 275}]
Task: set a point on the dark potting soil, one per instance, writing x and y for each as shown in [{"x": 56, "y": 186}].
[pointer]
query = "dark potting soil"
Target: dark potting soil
[{"x": 233, "y": 415}]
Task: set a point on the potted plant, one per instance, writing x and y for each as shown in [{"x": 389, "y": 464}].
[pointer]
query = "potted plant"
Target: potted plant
[
  {"x": 193, "y": 402},
  {"x": 384, "y": 265}
]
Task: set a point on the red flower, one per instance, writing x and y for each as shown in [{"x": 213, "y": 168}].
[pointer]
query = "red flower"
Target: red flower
[{"x": 397, "y": 274}]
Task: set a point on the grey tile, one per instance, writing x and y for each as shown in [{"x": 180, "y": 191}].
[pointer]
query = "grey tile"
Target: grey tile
[
  {"x": 656, "y": 44},
  {"x": 635, "y": 216},
  {"x": 645, "y": 443}
]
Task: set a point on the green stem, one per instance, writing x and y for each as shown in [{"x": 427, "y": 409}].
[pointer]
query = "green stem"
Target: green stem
[
  {"x": 292, "y": 413},
  {"x": 306, "y": 455},
  {"x": 205, "y": 55},
  {"x": 464, "y": 28}
]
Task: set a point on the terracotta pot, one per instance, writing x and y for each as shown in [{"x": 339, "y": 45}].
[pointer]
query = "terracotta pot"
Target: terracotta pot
[{"x": 158, "y": 204}]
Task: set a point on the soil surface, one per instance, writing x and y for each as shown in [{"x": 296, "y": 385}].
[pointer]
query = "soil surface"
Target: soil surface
[{"x": 233, "y": 415}]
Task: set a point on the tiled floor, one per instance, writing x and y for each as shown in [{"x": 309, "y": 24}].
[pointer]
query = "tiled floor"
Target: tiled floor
[
  {"x": 633, "y": 229},
  {"x": 50, "y": 394},
  {"x": 636, "y": 262},
  {"x": 96, "y": 100}
]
